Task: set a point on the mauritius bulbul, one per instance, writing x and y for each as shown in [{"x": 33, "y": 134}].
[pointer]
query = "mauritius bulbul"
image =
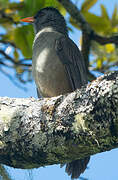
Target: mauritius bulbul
[{"x": 57, "y": 64}]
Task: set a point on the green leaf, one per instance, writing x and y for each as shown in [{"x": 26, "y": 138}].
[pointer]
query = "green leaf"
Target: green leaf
[
  {"x": 31, "y": 7},
  {"x": 61, "y": 9},
  {"x": 19, "y": 69},
  {"x": 52, "y": 3},
  {"x": 99, "y": 24},
  {"x": 36, "y": 5},
  {"x": 4, "y": 3},
  {"x": 56, "y": 4},
  {"x": 99, "y": 63},
  {"x": 23, "y": 38},
  {"x": 114, "y": 19},
  {"x": 16, "y": 55},
  {"x": 88, "y": 4},
  {"x": 104, "y": 13},
  {"x": 15, "y": 6}
]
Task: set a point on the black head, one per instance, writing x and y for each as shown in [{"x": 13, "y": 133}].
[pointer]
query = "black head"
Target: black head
[{"x": 49, "y": 17}]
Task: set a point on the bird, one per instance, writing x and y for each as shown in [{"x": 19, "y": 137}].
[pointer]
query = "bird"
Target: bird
[{"x": 57, "y": 64}]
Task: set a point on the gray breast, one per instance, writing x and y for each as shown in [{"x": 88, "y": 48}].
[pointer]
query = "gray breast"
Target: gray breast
[{"x": 48, "y": 71}]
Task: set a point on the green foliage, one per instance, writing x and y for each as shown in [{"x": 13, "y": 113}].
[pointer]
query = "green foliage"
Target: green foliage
[
  {"x": 21, "y": 35},
  {"x": 98, "y": 23},
  {"x": 16, "y": 55},
  {"x": 114, "y": 19},
  {"x": 23, "y": 38},
  {"x": 31, "y": 7},
  {"x": 3, "y": 3},
  {"x": 87, "y": 4},
  {"x": 38, "y": 4},
  {"x": 104, "y": 56},
  {"x": 104, "y": 13}
]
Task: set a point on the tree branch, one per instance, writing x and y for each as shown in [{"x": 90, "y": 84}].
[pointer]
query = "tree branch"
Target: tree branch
[
  {"x": 17, "y": 63},
  {"x": 88, "y": 33},
  {"x": 76, "y": 15},
  {"x": 105, "y": 40},
  {"x": 7, "y": 56},
  {"x": 83, "y": 24},
  {"x": 8, "y": 42},
  {"x": 60, "y": 129},
  {"x": 12, "y": 79}
]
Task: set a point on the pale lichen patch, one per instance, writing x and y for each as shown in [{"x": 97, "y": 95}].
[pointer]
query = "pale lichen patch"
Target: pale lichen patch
[
  {"x": 79, "y": 123},
  {"x": 6, "y": 115},
  {"x": 2, "y": 145}
]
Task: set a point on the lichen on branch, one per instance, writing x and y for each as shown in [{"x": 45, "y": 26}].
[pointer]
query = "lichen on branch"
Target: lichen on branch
[{"x": 40, "y": 132}]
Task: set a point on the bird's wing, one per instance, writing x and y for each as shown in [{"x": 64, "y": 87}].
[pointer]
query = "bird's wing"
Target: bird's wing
[{"x": 73, "y": 61}]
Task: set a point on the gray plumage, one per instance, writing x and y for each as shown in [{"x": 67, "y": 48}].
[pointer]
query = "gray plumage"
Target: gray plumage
[{"x": 57, "y": 65}]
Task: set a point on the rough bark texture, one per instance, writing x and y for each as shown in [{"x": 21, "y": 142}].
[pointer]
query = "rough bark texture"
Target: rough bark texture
[{"x": 41, "y": 132}]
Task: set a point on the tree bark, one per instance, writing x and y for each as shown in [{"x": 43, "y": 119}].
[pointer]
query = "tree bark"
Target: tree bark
[{"x": 55, "y": 130}]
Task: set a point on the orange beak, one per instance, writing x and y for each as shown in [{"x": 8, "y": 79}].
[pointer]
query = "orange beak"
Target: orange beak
[{"x": 28, "y": 19}]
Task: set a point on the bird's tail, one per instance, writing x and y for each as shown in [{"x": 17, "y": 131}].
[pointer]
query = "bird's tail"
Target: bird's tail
[{"x": 75, "y": 168}]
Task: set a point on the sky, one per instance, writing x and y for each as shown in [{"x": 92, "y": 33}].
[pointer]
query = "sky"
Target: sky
[{"x": 102, "y": 166}]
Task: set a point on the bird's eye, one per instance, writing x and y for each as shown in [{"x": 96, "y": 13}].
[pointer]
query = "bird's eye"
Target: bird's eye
[{"x": 39, "y": 15}]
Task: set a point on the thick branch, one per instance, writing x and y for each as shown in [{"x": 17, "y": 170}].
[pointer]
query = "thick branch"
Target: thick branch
[{"x": 47, "y": 131}]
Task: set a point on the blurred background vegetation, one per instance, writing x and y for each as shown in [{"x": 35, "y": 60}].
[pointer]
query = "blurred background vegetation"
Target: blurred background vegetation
[{"x": 16, "y": 39}]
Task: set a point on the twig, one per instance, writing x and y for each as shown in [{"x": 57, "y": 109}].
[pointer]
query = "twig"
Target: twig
[
  {"x": 7, "y": 56},
  {"x": 76, "y": 15},
  {"x": 19, "y": 63},
  {"x": 12, "y": 79},
  {"x": 7, "y": 42},
  {"x": 105, "y": 40}
]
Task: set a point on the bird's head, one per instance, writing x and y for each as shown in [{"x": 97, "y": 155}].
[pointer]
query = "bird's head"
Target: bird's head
[{"x": 47, "y": 17}]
